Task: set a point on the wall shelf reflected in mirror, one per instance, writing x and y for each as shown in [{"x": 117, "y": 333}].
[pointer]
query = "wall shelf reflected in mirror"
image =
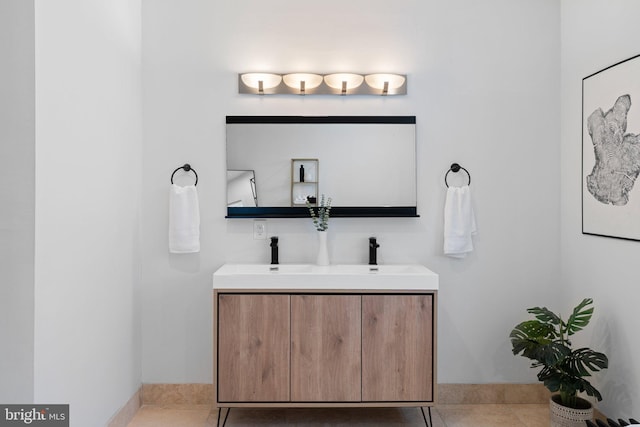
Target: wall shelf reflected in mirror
[{"x": 368, "y": 165}]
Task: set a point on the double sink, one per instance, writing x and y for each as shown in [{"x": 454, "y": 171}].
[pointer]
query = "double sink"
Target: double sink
[{"x": 340, "y": 276}]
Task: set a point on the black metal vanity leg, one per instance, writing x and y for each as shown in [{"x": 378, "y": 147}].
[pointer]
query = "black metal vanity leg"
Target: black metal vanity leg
[
  {"x": 430, "y": 423},
  {"x": 225, "y": 417}
]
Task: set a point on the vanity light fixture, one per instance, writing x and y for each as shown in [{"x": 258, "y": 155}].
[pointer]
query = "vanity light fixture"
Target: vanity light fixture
[
  {"x": 384, "y": 82},
  {"x": 302, "y": 81},
  {"x": 261, "y": 81},
  {"x": 343, "y": 81},
  {"x": 322, "y": 84}
]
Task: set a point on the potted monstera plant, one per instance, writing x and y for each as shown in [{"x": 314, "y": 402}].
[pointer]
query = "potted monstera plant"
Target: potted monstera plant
[{"x": 545, "y": 340}]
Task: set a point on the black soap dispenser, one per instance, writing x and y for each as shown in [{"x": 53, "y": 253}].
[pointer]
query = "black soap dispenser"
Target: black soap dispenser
[{"x": 301, "y": 173}]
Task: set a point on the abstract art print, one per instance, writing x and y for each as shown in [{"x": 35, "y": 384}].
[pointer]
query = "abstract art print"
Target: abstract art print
[{"x": 611, "y": 151}]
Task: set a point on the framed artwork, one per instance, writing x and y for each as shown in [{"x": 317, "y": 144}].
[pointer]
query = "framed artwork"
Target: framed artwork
[{"x": 611, "y": 151}]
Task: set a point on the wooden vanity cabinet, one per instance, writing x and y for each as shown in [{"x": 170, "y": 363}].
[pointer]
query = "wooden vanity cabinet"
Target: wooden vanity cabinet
[
  {"x": 289, "y": 349},
  {"x": 253, "y": 348},
  {"x": 325, "y": 348},
  {"x": 397, "y": 348}
]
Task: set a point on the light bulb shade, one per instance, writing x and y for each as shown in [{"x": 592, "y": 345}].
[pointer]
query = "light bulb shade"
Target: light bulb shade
[
  {"x": 302, "y": 81},
  {"x": 377, "y": 81},
  {"x": 336, "y": 81},
  {"x": 268, "y": 80}
]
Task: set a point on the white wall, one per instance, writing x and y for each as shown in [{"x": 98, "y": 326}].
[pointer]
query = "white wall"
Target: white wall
[
  {"x": 484, "y": 84},
  {"x": 595, "y": 35},
  {"x": 17, "y": 199},
  {"x": 88, "y": 157}
]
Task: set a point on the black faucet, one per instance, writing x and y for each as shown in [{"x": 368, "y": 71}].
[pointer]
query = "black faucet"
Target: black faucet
[
  {"x": 274, "y": 250},
  {"x": 373, "y": 251}
]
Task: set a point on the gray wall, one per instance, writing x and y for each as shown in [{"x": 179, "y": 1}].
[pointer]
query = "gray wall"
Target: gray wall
[
  {"x": 595, "y": 35},
  {"x": 484, "y": 83},
  {"x": 88, "y": 156},
  {"x": 17, "y": 199}
]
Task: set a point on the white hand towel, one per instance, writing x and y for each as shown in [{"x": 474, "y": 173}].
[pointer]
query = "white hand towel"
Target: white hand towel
[
  {"x": 184, "y": 220},
  {"x": 459, "y": 222}
]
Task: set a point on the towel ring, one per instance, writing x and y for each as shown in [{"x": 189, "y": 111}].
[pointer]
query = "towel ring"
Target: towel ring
[
  {"x": 187, "y": 167},
  {"x": 455, "y": 168}
]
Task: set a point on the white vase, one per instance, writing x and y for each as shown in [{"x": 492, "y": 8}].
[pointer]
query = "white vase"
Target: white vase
[
  {"x": 561, "y": 416},
  {"x": 323, "y": 250}
]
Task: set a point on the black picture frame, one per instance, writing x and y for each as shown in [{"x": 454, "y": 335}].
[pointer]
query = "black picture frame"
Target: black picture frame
[{"x": 611, "y": 151}]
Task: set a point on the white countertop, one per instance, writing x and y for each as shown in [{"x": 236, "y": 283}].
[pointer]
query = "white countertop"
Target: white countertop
[{"x": 405, "y": 277}]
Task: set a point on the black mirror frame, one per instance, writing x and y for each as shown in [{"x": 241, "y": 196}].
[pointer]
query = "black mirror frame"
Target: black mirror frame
[{"x": 336, "y": 211}]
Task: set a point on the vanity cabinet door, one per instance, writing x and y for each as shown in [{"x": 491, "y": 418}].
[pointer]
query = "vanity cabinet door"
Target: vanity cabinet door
[
  {"x": 397, "y": 348},
  {"x": 325, "y": 348},
  {"x": 253, "y": 348}
]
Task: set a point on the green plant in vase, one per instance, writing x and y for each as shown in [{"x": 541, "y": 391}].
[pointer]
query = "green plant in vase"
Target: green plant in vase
[
  {"x": 321, "y": 218},
  {"x": 545, "y": 340}
]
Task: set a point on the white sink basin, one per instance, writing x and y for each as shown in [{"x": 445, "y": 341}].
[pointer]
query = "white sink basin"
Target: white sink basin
[
  {"x": 338, "y": 277},
  {"x": 399, "y": 270},
  {"x": 258, "y": 269}
]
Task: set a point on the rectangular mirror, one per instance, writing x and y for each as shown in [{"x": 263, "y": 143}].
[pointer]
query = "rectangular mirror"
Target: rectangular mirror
[{"x": 366, "y": 164}]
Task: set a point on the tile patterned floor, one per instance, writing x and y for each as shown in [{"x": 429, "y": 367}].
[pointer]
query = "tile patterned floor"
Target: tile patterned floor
[{"x": 521, "y": 415}]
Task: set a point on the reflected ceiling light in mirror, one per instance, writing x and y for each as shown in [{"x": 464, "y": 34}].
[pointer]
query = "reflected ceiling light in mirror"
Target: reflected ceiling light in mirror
[
  {"x": 261, "y": 81},
  {"x": 343, "y": 81},
  {"x": 385, "y": 82},
  {"x": 302, "y": 82}
]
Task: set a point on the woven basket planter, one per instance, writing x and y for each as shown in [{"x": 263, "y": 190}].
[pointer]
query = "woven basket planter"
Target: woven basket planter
[{"x": 561, "y": 416}]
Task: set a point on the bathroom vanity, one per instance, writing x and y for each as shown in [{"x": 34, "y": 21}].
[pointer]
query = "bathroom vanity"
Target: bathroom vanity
[{"x": 309, "y": 336}]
